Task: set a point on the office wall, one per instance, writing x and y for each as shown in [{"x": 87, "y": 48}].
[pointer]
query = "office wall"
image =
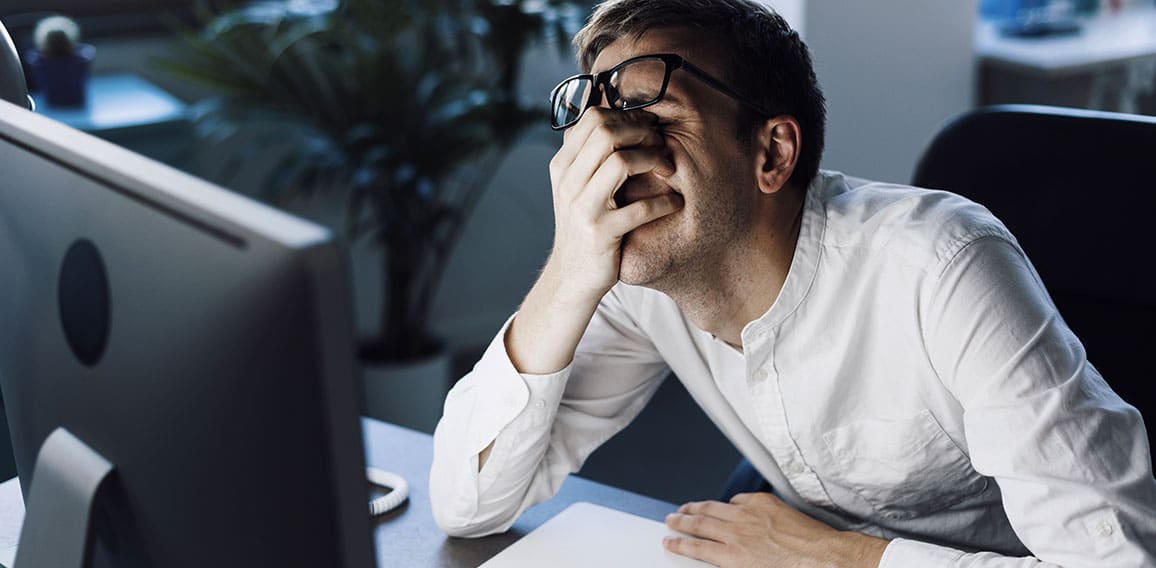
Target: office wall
[
  {"x": 893, "y": 72},
  {"x": 793, "y": 11}
]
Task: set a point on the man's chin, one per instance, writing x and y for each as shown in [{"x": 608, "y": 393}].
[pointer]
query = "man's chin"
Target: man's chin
[
  {"x": 646, "y": 251},
  {"x": 641, "y": 265},
  {"x": 635, "y": 277}
]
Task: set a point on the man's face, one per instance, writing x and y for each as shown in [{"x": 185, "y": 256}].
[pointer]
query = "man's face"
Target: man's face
[{"x": 713, "y": 171}]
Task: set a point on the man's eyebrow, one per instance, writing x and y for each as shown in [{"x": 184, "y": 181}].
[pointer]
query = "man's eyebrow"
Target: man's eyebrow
[{"x": 674, "y": 100}]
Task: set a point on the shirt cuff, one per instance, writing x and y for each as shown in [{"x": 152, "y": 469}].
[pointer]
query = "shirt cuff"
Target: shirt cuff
[
  {"x": 504, "y": 395},
  {"x": 901, "y": 553}
]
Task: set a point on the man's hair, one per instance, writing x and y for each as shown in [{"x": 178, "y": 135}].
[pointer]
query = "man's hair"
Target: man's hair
[{"x": 769, "y": 63}]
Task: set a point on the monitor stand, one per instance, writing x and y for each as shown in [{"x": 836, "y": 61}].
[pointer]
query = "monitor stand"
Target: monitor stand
[{"x": 58, "y": 525}]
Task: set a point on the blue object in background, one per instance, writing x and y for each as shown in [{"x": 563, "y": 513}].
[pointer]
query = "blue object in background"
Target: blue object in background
[
  {"x": 1028, "y": 18},
  {"x": 1014, "y": 9},
  {"x": 1002, "y": 10},
  {"x": 64, "y": 80}
]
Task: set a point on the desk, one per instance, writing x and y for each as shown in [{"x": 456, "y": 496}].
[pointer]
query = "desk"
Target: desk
[
  {"x": 1107, "y": 65},
  {"x": 407, "y": 537},
  {"x": 131, "y": 112}
]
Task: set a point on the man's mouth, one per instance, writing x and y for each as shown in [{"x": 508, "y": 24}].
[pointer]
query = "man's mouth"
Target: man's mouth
[{"x": 637, "y": 188}]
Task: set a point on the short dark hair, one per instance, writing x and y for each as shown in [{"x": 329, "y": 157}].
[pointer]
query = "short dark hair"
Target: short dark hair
[{"x": 769, "y": 63}]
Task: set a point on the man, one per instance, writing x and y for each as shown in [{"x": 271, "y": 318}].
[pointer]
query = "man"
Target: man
[{"x": 885, "y": 356}]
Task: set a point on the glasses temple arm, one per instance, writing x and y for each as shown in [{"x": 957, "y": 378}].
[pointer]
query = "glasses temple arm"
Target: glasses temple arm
[{"x": 722, "y": 88}]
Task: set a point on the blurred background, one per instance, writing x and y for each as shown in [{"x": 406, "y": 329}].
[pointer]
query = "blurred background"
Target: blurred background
[{"x": 416, "y": 131}]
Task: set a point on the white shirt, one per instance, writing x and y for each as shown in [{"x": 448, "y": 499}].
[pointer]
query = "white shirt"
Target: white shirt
[{"x": 912, "y": 381}]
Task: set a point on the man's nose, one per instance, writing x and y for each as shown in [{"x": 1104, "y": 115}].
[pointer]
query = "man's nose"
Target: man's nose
[{"x": 597, "y": 98}]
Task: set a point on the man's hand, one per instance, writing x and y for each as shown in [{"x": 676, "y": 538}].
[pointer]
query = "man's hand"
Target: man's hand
[
  {"x": 598, "y": 155},
  {"x": 758, "y": 529}
]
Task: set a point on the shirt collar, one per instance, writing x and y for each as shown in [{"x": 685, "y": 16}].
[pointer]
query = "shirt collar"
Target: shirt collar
[{"x": 805, "y": 261}]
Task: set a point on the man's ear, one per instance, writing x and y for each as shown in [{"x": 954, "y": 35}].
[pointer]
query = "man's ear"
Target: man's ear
[{"x": 777, "y": 145}]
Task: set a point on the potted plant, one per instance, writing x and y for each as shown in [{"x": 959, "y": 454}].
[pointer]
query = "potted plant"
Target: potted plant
[
  {"x": 60, "y": 62},
  {"x": 405, "y": 108}
]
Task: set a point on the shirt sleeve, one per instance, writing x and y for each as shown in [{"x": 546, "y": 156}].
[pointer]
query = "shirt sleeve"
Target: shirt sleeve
[
  {"x": 543, "y": 426},
  {"x": 1070, "y": 456}
]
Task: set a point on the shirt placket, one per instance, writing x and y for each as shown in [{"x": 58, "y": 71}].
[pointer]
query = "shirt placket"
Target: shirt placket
[{"x": 775, "y": 433}]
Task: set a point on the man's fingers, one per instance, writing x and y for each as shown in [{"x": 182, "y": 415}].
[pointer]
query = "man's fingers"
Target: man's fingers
[
  {"x": 641, "y": 212},
  {"x": 617, "y": 168},
  {"x": 700, "y": 526},
  {"x": 602, "y": 150},
  {"x": 599, "y": 136},
  {"x": 714, "y": 509},
  {"x": 597, "y": 117},
  {"x": 707, "y": 551}
]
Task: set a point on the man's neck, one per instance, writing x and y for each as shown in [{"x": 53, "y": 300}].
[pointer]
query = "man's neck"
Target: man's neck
[{"x": 749, "y": 278}]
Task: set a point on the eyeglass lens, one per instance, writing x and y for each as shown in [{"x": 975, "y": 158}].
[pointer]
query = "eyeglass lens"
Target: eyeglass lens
[
  {"x": 633, "y": 85},
  {"x": 570, "y": 100}
]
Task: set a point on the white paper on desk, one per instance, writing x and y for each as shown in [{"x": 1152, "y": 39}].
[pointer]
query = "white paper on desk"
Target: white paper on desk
[
  {"x": 7, "y": 556},
  {"x": 586, "y": 535}
]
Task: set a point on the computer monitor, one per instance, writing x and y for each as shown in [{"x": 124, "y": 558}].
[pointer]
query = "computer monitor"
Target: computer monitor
[
  {"x": 177, "y": 366},
  {"x": 12, "y": 86}
]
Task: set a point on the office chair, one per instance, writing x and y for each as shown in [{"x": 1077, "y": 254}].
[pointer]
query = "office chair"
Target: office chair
[{"x": 1078, "y": 190}]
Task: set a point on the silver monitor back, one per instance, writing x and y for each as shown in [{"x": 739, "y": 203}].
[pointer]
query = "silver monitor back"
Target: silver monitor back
[
  {"x": 198, "y": 341},
  {"x": 13, "y": 87}
]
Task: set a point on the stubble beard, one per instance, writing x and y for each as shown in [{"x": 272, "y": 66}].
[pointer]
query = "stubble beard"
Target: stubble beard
[
  {"x": 686, "y": 252},
  {"x": 648, "y": 254}
]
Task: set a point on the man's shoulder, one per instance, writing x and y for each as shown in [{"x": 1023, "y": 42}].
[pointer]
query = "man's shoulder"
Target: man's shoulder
[{"x": 922, "y": 224}]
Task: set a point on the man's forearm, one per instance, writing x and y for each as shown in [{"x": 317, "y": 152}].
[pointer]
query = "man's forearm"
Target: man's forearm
[{"x": 544, "y": 335}]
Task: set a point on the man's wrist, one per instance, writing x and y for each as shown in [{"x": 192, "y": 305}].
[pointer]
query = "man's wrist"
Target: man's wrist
[
  {"x": 567, "y": 292},
  {"x": 863, "y": 550},
  {"x": 545, "y": 333}
]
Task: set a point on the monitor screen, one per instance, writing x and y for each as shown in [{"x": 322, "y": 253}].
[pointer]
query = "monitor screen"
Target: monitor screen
[{"x": 176, "y": 363}]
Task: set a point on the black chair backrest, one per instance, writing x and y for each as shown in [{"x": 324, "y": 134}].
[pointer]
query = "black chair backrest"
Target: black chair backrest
[{"x": 1078, "y": 190}]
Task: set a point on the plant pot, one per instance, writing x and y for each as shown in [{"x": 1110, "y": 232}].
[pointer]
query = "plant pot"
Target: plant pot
[
  {"x": 409, "y": 394},
  {"x": 63, "y": 80}
]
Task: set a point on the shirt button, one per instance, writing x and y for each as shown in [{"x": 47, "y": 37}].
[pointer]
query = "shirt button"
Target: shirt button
[
  {"x": 1104, "y": 529},
  {"x": 539, "y": 404},
  {"x": 760, "y": 375},
  {"x": 794, "y": 468}
]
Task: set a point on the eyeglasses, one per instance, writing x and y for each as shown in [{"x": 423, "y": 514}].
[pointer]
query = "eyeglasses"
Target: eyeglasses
[{"x": 635, "y": 83}]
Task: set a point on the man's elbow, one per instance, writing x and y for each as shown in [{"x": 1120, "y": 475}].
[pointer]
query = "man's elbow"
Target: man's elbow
[
  {"x": 459, "y": 516},
  {"x": 461, "y": 526}
]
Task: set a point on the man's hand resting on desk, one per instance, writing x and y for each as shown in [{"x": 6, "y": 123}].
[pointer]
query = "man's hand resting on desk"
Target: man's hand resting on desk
[{"x": 758, "y": 529}]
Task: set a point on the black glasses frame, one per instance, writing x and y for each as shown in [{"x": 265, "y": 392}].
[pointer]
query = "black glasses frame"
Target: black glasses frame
[{"x": 602, "y": 79}]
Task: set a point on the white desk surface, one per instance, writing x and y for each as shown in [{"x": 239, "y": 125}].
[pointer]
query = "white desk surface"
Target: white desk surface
[
  {"x": 586, "y": 535},
  {"x": 1106, "y": 39},
  {"x": 117, "y": 101},
  {"x": 11, "y": 517}
]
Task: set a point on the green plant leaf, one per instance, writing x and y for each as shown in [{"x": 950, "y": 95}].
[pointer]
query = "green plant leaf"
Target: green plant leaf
[{"x": 403, "y": 108}]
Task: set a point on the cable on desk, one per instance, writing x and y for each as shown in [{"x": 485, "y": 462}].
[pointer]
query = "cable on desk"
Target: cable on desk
[{"x": 399, "y": 491}]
